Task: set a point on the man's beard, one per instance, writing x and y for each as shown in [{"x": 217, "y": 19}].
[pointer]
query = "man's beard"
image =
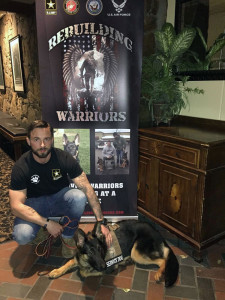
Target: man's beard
[{"x": 41, "y": 155}]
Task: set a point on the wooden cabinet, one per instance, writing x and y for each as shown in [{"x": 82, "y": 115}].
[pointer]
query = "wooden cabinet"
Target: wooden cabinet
[{"x": 182, "y": 179}]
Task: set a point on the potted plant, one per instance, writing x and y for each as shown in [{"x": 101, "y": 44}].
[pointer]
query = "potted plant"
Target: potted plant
[
  {"x": 193, "y": 62},
  {"x": 164, "y": 93}
]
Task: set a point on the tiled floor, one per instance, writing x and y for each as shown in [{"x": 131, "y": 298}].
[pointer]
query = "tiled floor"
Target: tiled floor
[{"x": 19, "y": 279}]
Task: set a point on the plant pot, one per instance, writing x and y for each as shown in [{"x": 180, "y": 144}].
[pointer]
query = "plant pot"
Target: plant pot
[
  {"x": 160, "y": 114},
  {"x": 145, "y": 116}
]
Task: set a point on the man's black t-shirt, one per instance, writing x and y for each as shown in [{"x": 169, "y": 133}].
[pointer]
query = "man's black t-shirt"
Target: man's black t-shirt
[{"x": 44, "y": 179}]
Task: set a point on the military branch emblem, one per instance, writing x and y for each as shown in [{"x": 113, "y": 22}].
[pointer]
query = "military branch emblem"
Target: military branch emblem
[
  {"x": 94, "y": 7},
  {"x": 119, "y": 7},
  {"x": 56, "y": 174},
  {"x": 50, "y": 7},
  {"x": 71, "y": 7}
]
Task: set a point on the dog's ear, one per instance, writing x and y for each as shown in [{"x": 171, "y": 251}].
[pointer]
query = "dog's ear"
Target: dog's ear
[
  {"x": 97, "y": 232},
  {"x": 77, "y": 139},
  {"x": 65, "y": 139},
  {"x": 80, "y": 238}
]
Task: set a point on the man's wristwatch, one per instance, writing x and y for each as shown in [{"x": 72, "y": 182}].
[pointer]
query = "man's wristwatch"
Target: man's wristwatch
[
  {"x": 45, "y": 226},
  {"x": 104, "y": 222}
]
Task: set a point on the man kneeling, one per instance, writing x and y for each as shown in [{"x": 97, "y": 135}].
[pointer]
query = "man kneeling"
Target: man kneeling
[{"x": 40, "y": 189}]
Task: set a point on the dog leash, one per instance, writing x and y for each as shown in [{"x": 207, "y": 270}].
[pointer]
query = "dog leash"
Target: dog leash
[{"x": 47, "y": 243}]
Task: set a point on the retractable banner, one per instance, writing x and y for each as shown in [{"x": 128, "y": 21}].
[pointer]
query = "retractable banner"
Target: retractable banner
[{"x": 90, "y": 55}]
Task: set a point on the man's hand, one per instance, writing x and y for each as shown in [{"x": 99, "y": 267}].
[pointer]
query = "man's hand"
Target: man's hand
[
  {"x": 54, "y": 228},
  {"x": 107, "y": 234}
]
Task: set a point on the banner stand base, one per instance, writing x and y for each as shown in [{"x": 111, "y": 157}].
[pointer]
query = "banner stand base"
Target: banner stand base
[{"x": 111, "y": 219}]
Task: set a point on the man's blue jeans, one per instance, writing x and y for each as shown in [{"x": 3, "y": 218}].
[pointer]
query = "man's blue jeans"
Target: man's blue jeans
[
  {"x": 119, "y": 154},
  {"x": 67, "y": 202}
]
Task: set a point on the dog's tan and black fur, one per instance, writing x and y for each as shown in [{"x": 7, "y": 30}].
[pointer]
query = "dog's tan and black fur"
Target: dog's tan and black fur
[
  {"x": 125, "y": 161},
  {"x": 72, "y": 147},
  {"x": 100, "y": 164},
  {"x": 139, "y": 242}
]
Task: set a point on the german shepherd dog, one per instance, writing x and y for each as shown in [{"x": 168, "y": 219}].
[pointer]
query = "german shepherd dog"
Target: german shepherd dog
[
  {"x": 125, "y": 161},
  {"x": 72, "y": 147},
  {"x": 139, "y": 243},
  {"x": 100, "y": 164}
]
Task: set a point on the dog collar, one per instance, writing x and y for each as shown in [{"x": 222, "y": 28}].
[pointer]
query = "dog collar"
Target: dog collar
[
  {"x": 104, "y": 222},
  {"x": 114, "y": 253}
]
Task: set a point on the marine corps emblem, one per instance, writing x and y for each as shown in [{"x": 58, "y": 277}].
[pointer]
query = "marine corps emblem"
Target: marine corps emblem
[{"x": 71, "y": 7}]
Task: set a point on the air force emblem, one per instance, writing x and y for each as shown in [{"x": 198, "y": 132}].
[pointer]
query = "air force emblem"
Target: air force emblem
[{"x": 119, "y": 7}]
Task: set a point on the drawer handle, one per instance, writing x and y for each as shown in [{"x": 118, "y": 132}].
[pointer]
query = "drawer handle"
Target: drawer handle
[
  {"x": 146, "y": 185},
  {"x": 177, "y": 155}
]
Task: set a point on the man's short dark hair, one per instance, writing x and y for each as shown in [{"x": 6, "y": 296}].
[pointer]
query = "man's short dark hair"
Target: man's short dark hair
[
  {"x": 115, "y": 134},
  {"x": 39, "y": 124}
]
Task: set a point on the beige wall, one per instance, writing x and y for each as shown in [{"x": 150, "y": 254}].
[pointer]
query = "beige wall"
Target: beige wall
[{"x": 211, "y": 105}]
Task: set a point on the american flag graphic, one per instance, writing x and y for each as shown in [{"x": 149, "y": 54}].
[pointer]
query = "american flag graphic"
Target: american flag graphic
[{"x": 99, "y": 94}]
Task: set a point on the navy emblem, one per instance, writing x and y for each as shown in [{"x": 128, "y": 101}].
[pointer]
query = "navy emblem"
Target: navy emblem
[
  {"x": 94, "y": 7},
  {"x": 71, "y": 7}
]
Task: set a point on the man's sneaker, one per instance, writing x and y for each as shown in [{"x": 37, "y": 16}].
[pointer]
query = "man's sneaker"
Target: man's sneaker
[
  {"x": 41, "y": 236},
  {"x": 68, "y": 247}
]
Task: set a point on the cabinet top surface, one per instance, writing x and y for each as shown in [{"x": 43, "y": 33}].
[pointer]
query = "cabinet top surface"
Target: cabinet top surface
[{"x": 188, "y": 133}]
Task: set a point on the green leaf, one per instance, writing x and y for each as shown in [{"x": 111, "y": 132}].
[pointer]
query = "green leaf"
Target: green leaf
[
  {"x": 217, "y": 46},
  {"x": 182, "y": 43},
  {"x": 161, "y": 43},
  {"x": 164, "y": 38},
  {"x": 202, "y": 38},
  {"x": 169, "y": 33}
]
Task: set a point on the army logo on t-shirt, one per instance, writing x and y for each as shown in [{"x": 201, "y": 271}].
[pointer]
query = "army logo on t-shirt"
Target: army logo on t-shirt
[{"x": 56, "y": 174}]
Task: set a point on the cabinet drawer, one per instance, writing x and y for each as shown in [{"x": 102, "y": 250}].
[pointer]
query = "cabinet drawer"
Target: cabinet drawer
[
  {"x": 178, "y": 153},
  {"x": 181, "y": 154},
  {"x": 150, "y": 146}
]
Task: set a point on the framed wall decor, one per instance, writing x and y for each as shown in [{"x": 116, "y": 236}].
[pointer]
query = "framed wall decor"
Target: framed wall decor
[
  {"x": 17, "y": 70},
  {"x": 208, "y": 16},
  {"x": 2, "y": 78}
]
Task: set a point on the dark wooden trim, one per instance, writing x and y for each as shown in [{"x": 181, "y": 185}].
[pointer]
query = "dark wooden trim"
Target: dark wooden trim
[
  {"x": 210, "y": 124},
  {"x": 203, "y": 75},
  {"x": 17, "y": 7},
  {"x": 15, "y": 140}
]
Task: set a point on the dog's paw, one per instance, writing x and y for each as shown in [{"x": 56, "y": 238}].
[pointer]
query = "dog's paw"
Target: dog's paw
[
  {"x": 85, "y": 273},
  {"x": 54, "y": 274},
  {"x": 159, "y": 277},
  {"x": 113, "y": 227}
]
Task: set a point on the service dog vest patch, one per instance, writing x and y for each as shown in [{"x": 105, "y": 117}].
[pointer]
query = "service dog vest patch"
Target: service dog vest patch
[{"x": 114, "y": 253}]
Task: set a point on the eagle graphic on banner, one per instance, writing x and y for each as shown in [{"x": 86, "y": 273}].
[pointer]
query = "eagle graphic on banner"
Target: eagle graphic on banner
[{"x": 89, "y": 75}]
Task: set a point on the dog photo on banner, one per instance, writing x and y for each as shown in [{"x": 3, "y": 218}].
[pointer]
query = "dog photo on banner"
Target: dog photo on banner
[
  {"x": 77, "y": 143},
  {"x": 112, "y": 151}
]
